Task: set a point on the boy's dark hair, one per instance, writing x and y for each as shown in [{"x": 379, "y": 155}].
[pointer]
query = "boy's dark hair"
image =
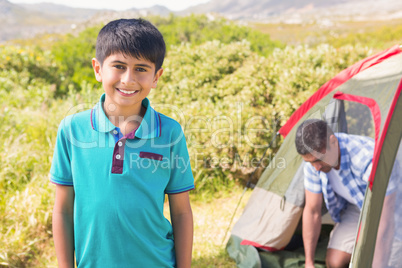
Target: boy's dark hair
[
  {"x": 133, "y": 37},
  {"x": 312, "y": 136}
]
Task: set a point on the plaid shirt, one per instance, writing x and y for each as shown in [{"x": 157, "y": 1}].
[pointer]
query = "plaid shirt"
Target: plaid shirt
[{"x": 355, "y": 169}]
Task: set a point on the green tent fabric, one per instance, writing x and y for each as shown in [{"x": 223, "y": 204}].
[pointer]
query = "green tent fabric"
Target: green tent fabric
[
  {"x": 250, "y": 257},
  {"x": 245, "y": 256}
]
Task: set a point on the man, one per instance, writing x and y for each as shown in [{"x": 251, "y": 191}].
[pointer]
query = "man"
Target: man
[{"x": 337, "y": 169}]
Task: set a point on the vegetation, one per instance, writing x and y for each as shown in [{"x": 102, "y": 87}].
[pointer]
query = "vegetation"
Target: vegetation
[
  {"x": 229, "y": 86},
  {"x": 376, "y": 34}
]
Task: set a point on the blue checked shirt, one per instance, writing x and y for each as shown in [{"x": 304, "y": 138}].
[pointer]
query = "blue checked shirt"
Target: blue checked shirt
[{"x": 355, "y": 168}]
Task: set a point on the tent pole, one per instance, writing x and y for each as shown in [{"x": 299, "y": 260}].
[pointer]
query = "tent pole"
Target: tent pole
[
  {"x": 233, "y": 214},
  {"x": 248, "y": 185}
]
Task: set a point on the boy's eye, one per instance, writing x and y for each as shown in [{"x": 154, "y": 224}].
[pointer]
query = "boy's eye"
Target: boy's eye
[
  {"x": 120, "y": 67},
  {"x": 139, "y": 69}
]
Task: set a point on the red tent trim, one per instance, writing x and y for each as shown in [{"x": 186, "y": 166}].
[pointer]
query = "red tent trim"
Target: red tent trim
[
  {"x": 370, "y": 103},
  {"x": 334, "y": 83},
  {"x": 254, "y": 244}
]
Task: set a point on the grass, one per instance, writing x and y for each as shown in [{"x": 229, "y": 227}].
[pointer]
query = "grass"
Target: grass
[
  {"x": 338, "y": 33},
  {"x": 33, "y": 209},
  {"x": 211, "y": 221},
  {"x": 26, "y": 227}
]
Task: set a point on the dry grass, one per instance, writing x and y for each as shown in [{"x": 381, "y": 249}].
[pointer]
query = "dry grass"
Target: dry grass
[
  {"x": 313, "y": 33},
  {"x": 211, "y": 221}
]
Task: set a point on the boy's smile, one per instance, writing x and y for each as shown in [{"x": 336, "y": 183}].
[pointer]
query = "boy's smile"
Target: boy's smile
[{"x": 126, "y": 81}]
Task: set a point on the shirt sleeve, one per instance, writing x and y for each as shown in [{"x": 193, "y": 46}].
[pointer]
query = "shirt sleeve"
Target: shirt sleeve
[
  {"x": 366, "y": 174},
  {"x": 312, "y": 181},
  {"x": 60, "y": 171},
  {"x": 181, "y": 177},
  {"x": 392, "y": 180}
]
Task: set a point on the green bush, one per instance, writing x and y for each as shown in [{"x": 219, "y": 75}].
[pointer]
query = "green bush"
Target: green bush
[
  {"x": 231, "y": 101},
  {"x": 73, "y": 57},
  {"x": 198, "y": 29}
]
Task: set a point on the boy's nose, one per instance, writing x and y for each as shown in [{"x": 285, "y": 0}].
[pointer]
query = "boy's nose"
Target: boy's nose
[{"x": 128, "y": 78}]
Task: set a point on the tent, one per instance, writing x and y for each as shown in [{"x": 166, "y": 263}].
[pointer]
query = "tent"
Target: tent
[{"x": 364, "y": 99}]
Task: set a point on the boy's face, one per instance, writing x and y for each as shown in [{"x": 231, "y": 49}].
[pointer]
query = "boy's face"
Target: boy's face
[{"x": 125, "y": 79}]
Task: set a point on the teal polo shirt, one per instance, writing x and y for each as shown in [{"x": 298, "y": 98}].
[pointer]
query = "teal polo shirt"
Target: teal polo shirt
[{"x": 120, "y": 184}]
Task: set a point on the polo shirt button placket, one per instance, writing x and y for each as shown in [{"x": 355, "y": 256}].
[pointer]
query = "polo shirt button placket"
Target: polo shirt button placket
[{"x": 118, "y": 157}]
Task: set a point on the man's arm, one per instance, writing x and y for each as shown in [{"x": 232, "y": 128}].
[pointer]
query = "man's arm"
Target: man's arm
[
  {"x": 182, "y": 222},
  {"x": 311, "y": 225},
  {"x": 63, "y": 226}
]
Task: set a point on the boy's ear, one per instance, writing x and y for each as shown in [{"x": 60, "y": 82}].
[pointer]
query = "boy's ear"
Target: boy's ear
[
  {"x": 97, "y": 69},
  {"x": 157, "y": 76}
]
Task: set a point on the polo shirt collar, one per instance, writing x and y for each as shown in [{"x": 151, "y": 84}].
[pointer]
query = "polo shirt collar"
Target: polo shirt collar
[
  {"x": 99, "y": 120},
  {"x": 149, "y": 128}
]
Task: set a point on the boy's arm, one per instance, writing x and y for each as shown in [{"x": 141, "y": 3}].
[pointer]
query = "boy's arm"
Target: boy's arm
[
  {"x": 182, "y": 222},
  {"x": 63, "y": 226}
]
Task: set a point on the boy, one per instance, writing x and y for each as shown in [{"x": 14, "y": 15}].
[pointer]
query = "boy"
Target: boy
[{"x": 113, "y": 165}]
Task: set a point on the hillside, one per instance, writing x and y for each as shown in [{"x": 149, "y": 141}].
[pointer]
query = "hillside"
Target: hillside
[
  {"x": 21, "y": 21},
  {"x": 26, "y": 21},
  {"x": 295, "y": 11}
]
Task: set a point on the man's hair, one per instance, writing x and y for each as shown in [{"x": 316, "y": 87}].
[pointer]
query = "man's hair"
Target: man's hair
[
  {"x": 132, "y": 37},
  {"x": 312, "y": 136}
]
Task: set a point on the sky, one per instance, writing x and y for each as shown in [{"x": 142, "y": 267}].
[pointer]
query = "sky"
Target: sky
[{"x": 174, "y": 5}]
